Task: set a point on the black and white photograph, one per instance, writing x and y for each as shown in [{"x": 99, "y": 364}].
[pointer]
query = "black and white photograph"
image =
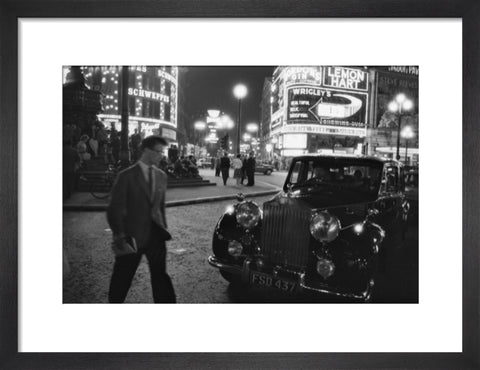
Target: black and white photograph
[{"x": 240, "y": 184}]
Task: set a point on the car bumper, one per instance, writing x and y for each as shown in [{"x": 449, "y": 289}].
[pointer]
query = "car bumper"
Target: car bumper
[{"x": 303, "y": 285}]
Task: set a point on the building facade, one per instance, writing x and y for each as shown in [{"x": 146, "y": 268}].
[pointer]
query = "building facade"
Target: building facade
[
  {"x": 338, "y": 109},
  {"x": 152, "y": 98}
]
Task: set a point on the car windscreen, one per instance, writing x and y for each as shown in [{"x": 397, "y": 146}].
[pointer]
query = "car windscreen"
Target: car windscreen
[{"x": 351, "y": 178}]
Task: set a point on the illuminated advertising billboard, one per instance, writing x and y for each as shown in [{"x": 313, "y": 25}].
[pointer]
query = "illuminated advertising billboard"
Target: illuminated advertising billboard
[
  {"x": 331, "y": 96},
  {"x": 312, "y": 105},
  {"x": 346, "y": 78}
]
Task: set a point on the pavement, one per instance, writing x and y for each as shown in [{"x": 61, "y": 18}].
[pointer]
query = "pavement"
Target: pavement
[{"x": 84, "y": 201}]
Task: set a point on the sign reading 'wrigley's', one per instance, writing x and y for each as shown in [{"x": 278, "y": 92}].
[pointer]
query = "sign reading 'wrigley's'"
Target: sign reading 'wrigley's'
[{"x": 310, "y": 105}]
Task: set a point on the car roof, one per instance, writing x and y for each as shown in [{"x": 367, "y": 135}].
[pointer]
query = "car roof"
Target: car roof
[{"x": 340, "y": 157}]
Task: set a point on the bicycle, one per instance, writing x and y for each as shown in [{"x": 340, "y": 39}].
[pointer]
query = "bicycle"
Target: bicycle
[{"x": 100, "y": 183}]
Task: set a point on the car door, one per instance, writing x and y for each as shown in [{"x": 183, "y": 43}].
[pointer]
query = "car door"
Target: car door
[{"x": 391, "y": 195}]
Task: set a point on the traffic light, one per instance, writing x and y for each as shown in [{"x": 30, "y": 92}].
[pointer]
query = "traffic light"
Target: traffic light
[{"x": 224, "y": 142}]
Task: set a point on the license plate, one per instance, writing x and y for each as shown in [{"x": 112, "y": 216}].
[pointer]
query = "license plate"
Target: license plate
[{"x": 257, "y": 278}]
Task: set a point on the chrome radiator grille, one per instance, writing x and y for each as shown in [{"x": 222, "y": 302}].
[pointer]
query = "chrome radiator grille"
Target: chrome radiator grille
[{"x": 286, "y": 235}]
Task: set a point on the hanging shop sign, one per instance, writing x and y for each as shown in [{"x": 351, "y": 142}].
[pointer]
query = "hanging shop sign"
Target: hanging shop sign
[
  {"x": 312, "y": 105},
  {"x": 346, "y": 78}
]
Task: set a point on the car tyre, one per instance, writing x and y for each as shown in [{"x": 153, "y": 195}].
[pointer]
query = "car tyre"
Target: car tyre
[{"x": 268, "y": 172}]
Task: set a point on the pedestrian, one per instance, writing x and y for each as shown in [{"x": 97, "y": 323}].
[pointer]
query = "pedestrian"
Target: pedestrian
[
  {"x": 136, "y": 215},
  {"x": 244, "y": 169},
  {"x": 71, "y": 162},
  {"x": 217, "y": 165},
  {"x": 250, "y": 170},
  {"x": 135, "y": 141},
  {"x": 82, "y": 151},
  {"x": 237, "y": 168},
  {"x": 101, "y": 135},
  {"x": 116, "y": 145},
  {"x": 225, "y": 167}
]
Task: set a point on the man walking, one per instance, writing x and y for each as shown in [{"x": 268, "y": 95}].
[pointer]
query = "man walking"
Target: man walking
[
  {"x": 136, "y": 215},
  {"x": 250, "y": 169},
  {"x": 71, "y": 162},
  {"x": 225, "y": 167}
]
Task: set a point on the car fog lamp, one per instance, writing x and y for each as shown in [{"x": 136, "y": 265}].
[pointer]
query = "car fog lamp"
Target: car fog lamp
[
  {"x": 324, "y": 227},
  {"x": 235, "y": 249},
  {"x": 325, "y": 268},
  {"x": 248, "y": 214}
]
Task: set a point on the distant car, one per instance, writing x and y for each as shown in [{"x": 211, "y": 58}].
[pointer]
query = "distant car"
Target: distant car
[
  {"x": 328, "y": 231},
  {"x": 204, "y": 163},
  {"x": 264, "y": 168}
]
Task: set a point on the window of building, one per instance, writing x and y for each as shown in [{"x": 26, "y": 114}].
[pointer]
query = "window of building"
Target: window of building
[
  {"x": 131, "y": 105},
  {"x": 167, "y": 112}
]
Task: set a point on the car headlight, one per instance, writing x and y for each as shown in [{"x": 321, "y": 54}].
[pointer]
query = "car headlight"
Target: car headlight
[
  {"x": 324, "y": 227},
  {"x": 248, "y": 214}
]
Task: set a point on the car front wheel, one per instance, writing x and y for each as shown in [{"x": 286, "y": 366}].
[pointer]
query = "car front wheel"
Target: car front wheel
[{"x": 268, "y": 172}]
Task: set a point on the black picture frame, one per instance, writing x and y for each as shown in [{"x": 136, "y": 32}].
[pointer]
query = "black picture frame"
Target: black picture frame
[{"x": 11, "y": 10}]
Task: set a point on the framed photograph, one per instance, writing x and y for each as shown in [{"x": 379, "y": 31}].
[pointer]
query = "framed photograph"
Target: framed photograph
[{"x": 341, "y": 82}]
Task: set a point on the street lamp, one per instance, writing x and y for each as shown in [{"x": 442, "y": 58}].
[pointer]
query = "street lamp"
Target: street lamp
[
  {"x": 407, "y": 133},
  {"x": 252, "y": 127},
  {"x": 240, "y": 92},
  {"x": 199, "y": 126},
  {"x": 399, "y": 105}
]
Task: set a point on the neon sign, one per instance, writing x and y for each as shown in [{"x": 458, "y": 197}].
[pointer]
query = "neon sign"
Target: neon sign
[
  {"x": 167, "y": 76},
  {"x": 149, "y": 95},
  {"x": 302, "y": 74},
  {"x": 346, "y": 78}
]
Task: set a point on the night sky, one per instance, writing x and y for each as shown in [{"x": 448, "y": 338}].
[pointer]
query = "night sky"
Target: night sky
[{"x": 211, "y": 87}]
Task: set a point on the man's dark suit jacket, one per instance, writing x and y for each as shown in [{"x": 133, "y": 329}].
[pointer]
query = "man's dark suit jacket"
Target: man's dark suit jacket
[
  {"x": 132, "y": 209},
  {"x": 250, "y": 164},
  {"x": 224, "y": 162}
]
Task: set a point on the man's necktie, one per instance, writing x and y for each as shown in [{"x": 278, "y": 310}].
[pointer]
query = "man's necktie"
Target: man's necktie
[{"x": 150, "y": 181}]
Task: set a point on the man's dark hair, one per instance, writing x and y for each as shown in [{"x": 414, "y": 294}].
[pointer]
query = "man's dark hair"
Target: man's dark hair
[{"x": 150, "y": 142}]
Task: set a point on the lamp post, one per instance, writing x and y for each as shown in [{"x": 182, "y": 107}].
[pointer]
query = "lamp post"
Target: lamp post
[
  {"x": 124, "y": 150},
  {"x": 399, "y": 105},
  {"x": 253, "y": 128},
  {"x": 407, "y": 133},
  {"x": 239, "y": 91}
]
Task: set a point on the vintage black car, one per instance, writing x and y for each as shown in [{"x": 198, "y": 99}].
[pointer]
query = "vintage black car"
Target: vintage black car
[{"x": 324, "y": 233}]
